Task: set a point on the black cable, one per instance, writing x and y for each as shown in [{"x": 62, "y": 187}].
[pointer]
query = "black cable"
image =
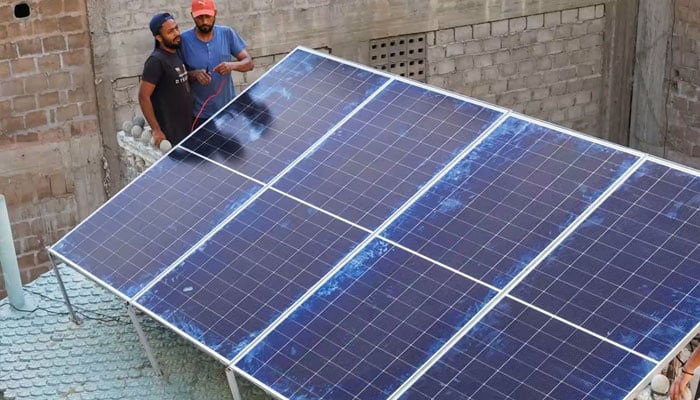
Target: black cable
[{"x": 96, "y": 316}]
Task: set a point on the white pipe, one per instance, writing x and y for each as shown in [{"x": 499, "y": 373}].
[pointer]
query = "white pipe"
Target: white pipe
[{"x": 8, "y": 259}]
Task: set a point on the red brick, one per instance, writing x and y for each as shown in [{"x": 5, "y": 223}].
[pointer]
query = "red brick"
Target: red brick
[
  {"x": 8, "y": 51},
  {"x": 35, "y": 84},
  {"x": 4, "y": 69},
  {"x": 23, "y": 28},
  {"x": 74, "y": 58},
  {"x": 5, "y": 108},
  {"x": 46, "y": 26},
  {"x": 74, "y": 6},
  {"x": 12, "y": 124},
  {"x": 42, "y": 187},
  {"x": 22, "y": 104},
  {"x": 54, "y": 43},
  {"x": 26, "y": 261},
  {"x": 50, "y": 7},
  {"x": 28, "y": 137},
  {"x": 49, "y": 63},
  {"x": 88, "y": 108},
  {"x": 34, "y": 120},
  {"x": 28, "y": 47},
  {"x": 48, "y": 99},
  {"x": 51, "y": 135},
  {"x": 6, "y": 140},
  {"x": 41, "y": 266},
  {"x": 60, "y": 80},
  {"x": 71, "y": 24},
  {"x": 67, "y": 113},
  {"x": 23, "y": 66},
  {"x": 78, "y": 41},
  {"x": 21, "y": 229}
]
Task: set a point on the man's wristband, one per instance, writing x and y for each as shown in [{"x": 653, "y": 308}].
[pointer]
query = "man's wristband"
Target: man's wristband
[{"x": 686, "y": 372}]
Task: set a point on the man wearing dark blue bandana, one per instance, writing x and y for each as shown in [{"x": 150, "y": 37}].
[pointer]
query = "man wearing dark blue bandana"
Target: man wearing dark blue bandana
[{"x": 164, "y": 94}]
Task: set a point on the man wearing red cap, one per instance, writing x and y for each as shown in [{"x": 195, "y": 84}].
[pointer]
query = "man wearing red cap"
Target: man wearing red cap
[{"x": 211, "y": 52}]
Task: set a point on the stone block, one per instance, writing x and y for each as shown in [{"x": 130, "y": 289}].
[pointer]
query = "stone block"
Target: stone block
[
  {"x": 492, "y": 44},
  {"x": 472, "y": 76},
  {"x": 596, "y": 40},
  {"x": 28, "y": 47},
  {"x": 446, "y": 67},
  {"x": 583, "y": 98},
  {"x": 22, "y": 66},
  {"x": 498, "y": 87},
  {"x": 463, "y": 33},
  {"x": 572, "y": 45},
  {"x": 574, "y": 112},
  {"x": 473, "y": 47},
  {"x": 526, "y": 66},
  {"x": 499, "y": 28},
  {"x": 600, "y": 11},
  {"x": 454, "y": 49},
  {"x": 519, "y": 54},
  {"x": 22, "y": 104},
  {"x": 563, "y": 31},
  {"x": 540, "y": 93},
  {"x": 555, "y": 47},
  {"x": 596, "y": 26},
  {"x": 501, "y": 57},
  {"x": 558, "y": 89},
  {"x": 483, "y": 60},
  {"x": 545, "y": 35},
  {"x": 535, "y": 21},
  {"x": 482, "y": 30},
  {"x": 445, "y": 36},
  {"x": 508, "y": 69},
  {"x": 569, "y": 16},
  {"x": 517, "y": 24},
  {"x": 552, "y": 19},
  {"x": 528, "y": 38},
  {"x": 586, "y": 13},
  {"x": 464, "y": 63},
  {"x": 516, "y": 83},
  {"x": 544, "y": 63},
  {"x": 578, "y": 30},
  {"x": 436, "y": 53},
  {"x": 490, "y": 73}
]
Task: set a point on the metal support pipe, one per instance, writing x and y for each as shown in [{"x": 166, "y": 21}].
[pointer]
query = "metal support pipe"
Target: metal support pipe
[
  {"x": 233, "y": 384},
  {"x": 144, "y": 342},
  {"x": 8, "y": 259},
  {"x": 76, "y": 319}
]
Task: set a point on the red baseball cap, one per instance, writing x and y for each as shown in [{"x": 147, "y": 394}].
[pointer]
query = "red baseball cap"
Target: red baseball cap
[{"x": 203, "y": 7}]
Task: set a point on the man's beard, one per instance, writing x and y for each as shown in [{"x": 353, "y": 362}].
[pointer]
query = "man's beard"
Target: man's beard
[
  {"x": 171, "y": 45},
  {"x": 206, "y": 28}
]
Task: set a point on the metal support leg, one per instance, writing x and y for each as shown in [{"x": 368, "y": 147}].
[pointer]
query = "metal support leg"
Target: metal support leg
[
  {"x": 144, "y": 342},
  {"x": 232, "y": 384},
  {"x": 73, "y": 315}
]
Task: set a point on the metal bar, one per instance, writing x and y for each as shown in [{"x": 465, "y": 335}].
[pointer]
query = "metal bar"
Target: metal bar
[
  {"x": 233, "y": 384},
  {"x": 144, "y": 342},
  {"x": 76, "y": 319}
]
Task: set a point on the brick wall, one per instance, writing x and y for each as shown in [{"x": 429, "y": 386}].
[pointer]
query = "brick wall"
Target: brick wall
[
  {"x": 683, "y": 105},
  {"x": 50, "y": 169},
  {"x": 547, "y": 65}
]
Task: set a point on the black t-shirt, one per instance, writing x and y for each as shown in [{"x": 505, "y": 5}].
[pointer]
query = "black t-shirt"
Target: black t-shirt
[{"x": 172, "y": 98}]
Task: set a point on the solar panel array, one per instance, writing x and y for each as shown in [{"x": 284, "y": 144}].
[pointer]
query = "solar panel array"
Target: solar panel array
[{"x": 336, "y": 232}]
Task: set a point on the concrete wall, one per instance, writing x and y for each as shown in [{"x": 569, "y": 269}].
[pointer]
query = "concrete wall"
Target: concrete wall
[
  {"x": 666, "y": 105},
  {"x": 50, "y": 144}
]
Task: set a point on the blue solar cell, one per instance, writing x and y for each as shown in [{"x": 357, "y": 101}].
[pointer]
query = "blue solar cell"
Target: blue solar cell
[
  {"x": 250, "y": 272},
  {"x": 142, "y": 230},
  {"x": 634, "y": 279},
  {"x": 380, "y": 157},
  {"x": 516, "y": 352},
  {"x": 280, "y": 116},
  {"x": 368, "y": 328},
  {"x": 508, "y": 199}
]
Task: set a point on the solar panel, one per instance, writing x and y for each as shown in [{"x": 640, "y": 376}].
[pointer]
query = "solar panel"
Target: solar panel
[
  {"x": 630, "y": 272},
  {"x": 378, "y": 320},
  {"x": 336, "y": 232},
  {"x": 153, "y": 221},
  {"x": 279, "y": 117},
  {"x": 381, "y": 156},
  {"x": 504, "y": 203},
  {"x": 247, "y": 274},
  {"x": 516, "y": 352}
]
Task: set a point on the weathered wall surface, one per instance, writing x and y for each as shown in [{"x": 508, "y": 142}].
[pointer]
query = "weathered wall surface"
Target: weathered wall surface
[
  {"x": 50, "y": 145},
  {"x": 548, "y": 65},
  {"x": 666, "y": 106}
]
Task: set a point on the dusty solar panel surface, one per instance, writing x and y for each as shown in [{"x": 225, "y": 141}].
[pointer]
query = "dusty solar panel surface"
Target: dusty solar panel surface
[{"x": 340, "y": 233}]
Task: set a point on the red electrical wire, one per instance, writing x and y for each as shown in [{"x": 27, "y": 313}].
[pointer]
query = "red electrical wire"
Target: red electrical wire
[{"x": 221, "y": 86}]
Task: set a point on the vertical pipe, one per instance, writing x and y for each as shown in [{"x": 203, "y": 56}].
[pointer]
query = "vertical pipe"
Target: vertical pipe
[{"x": 8, "y": 259}]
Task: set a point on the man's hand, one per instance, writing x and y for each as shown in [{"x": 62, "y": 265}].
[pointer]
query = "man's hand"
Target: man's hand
[
  {"x": 158, "y": 136},
  {"x": 224, "y": 68},
  {"x": 201, "y": 76}
]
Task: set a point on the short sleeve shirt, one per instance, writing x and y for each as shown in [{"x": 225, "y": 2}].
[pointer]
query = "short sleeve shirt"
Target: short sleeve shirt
[
  {"x": 171, "y": 98},
  {"x": 224, "y": 45}
]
